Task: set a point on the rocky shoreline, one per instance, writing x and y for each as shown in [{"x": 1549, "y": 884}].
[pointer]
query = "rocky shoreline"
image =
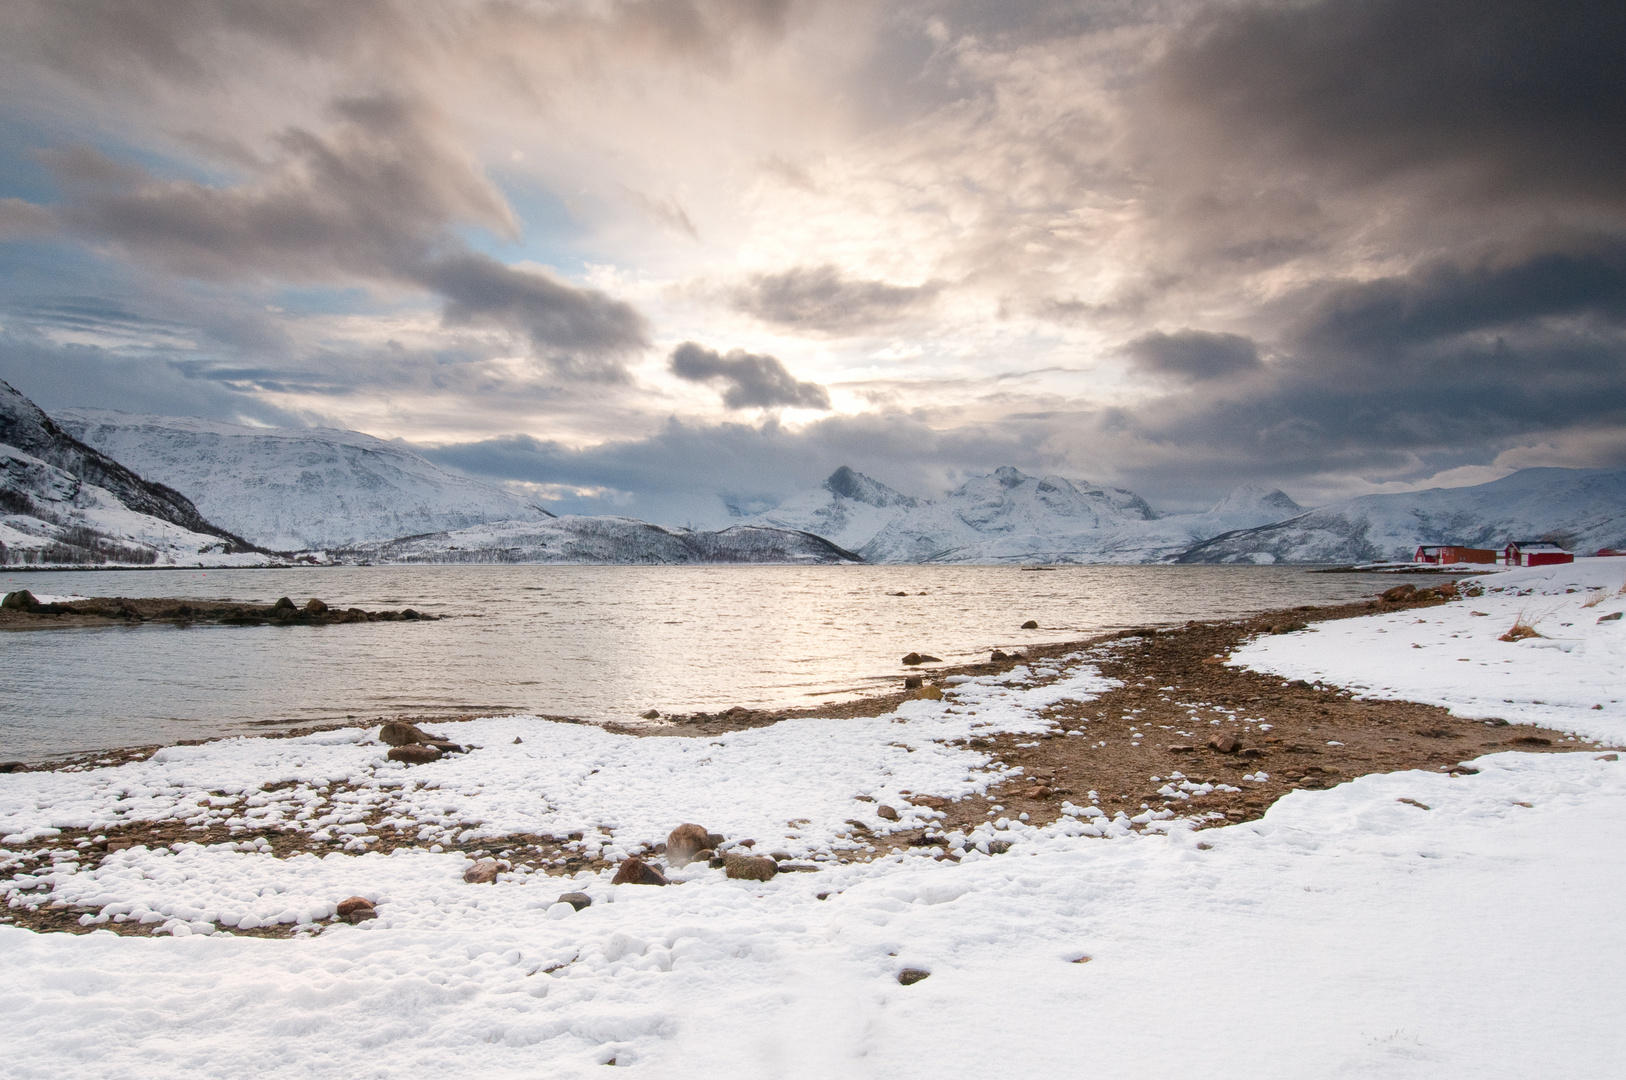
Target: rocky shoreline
[{"x": 21, "y": 611}]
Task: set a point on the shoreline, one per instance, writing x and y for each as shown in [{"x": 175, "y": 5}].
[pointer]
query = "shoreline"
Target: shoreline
[{"x": 1146, "y": 753}]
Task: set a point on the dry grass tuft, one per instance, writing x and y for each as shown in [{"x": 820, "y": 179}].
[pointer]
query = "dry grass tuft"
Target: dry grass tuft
[
  {"x": 1523, "y": 627},
  {"x": 1596, "y": 598}
]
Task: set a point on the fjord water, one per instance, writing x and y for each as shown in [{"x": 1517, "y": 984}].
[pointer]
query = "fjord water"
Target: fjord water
[{"x": 594, "y": 642}]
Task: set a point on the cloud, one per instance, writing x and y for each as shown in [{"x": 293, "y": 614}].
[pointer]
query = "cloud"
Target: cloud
[
  {"x": 1514, "y": 98},
  {"x": 821, "y": 300},
  {"x": 376, "y": 198},
  {"x": 751, "y": 381},
  {"x": 688, "y": 472},
  {"x": 1197, "y": 355}
]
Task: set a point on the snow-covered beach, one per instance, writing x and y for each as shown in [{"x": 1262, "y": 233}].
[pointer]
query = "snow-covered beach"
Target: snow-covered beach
[{"x": 1403, "y": 924}]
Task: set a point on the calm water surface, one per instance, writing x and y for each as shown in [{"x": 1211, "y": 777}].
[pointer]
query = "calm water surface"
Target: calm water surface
[{"x": 597, "y": 642}]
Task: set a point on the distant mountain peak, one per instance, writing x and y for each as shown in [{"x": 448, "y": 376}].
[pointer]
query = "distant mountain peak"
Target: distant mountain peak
[
  {"x": 851, "y": 484},
  {"x": 1246, "y": 497}
]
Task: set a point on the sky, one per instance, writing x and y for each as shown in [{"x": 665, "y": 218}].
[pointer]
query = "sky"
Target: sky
[{"x": 682, "y": 258}]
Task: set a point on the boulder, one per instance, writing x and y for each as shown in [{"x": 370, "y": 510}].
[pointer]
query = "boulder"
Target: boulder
[
  {"x": 651, "y": 714},
  {"x": 577, "y": 900},
  {"x": 685, "y": 842},
  {"x": 13, "y": 766},
  {"x": 21, "y": 600},
  {"x": 997, "y": 655},
  {"x": 1223, "y": 743},
  {"x": 484, "y": 872},
  {"x": 886, "y": 812},
  {"x": 400, "y": 733},
  {"x": 356, "y": 909},
  {"x": 410, "y": 614},
  {"x": 414, "y": 754},
  {"x": 910, "y": 976},
  {"x": 314, "y": 606},
  {"x": 1612, "y": 617},
  {"x": 750, "y": 867},
  {"x": 1031, "y": 624},
  {"x": 635, "y": 871},
  {"x": 912, "y": 682},
  {"x": 715, "y": 839},
  {"x": 283, "y": 604},
  {"x": 1399, "y": 593},
  {"x": 929, "y": 693},
  {"x": 920, "y": 658}
]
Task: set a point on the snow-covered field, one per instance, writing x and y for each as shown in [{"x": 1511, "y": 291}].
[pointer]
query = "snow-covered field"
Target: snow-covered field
[
  {"x": 1470, "y": 930},
  {"x": 1571, "y": 677}
]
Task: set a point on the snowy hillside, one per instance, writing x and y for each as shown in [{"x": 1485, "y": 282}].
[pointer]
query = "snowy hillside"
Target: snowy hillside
[
  {"x": 1585, "y": 509},
  {"x": 616, "y": 540},
  {"x": 62, "y": 502},
  {"x": 848, "y": 509},
  {"x": 1007, "y": 517},
  {"x": 297, "y": 488},
  {"x": 1012, "y": 517}
]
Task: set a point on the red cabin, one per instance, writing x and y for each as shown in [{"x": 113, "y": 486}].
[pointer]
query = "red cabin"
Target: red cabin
[
  {"x": 1535, "y": 553},
  {"x": 1449, "y": 554}
]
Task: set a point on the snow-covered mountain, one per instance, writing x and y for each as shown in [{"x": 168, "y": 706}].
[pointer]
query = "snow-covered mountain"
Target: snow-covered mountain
[
  {"x": 62, "y": 502},
  {"x": 297, "y": 488},
  {"x": 573, "y": 539},
  {"x": 1008, "y": 517},
  {"x": 848, "y": 509},
  {"x": 1012, "y": 517},
  {"x": 1584, "y": 509}
]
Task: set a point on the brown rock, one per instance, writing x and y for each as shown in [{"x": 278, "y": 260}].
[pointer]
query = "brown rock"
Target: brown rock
[
  {"x": 1031, "y": 624},
  {"x": 635, "y": 871},
  {"x": 750, "y": 867},
  {"x": 886, "y": 812},
  {"x": 920, "y": 658},
  {"x": 577, "y": 900},
  {"x": 21, "y": 600},
  {"x": 314, "y": 606},
  {"x": 912, "y": 682},
  {"x": 414, "y": 754},
  {"x": 399, "y": 733},
  {"x": 685, "y": 842},
  {"x": 910, "y": 976},
  {"x": 1223, "y": 743},
  {"x": 13, "y": 766},
  {"x": 1181, "y": 748},
  {"x": 997, "y": 655},
  {"x": 1399, "y": 593},
  {"x": 650, "y": 714},
  {"x": 715, "y": 839},
  {"x": 929, "y": 693},
  {"x": 284, "y": 604},
  {"x": 484, "y": 872},
  {"x": 355, "y": 909},
  {"x": 1039, "y": 792}
]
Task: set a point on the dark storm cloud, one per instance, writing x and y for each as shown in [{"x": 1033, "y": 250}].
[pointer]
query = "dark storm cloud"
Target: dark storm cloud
[
  {"x": 1448, "y": 363},
  {"x": 751, "y": 381},
  {"x": 819, "y": 299},
  {"x": 1194, "y": 354},
  {"x": 573, "y": 328},
  {"x": 374, "y": 199},
  {"x": 1523, "y": 97}
]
